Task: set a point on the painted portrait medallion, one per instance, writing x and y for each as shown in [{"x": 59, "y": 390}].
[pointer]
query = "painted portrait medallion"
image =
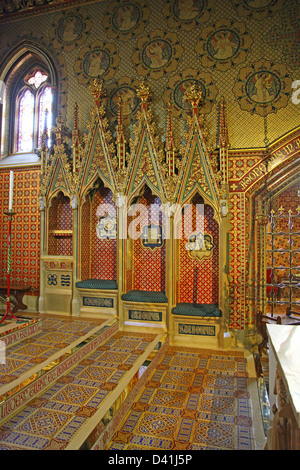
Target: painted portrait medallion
[
  {"x": 187, "y": 14},
  {"x": 99, "y": 59},
  {"x": 187, "y": 10},
  {"x": 70, "y": 29},
  {"x": 157, "y": 54},
  {"x": 129, "y": 100},
  {"x": 179, "y": 86},
  {"x": 223, "y": 44},
  {"x": 124, "y": 90},
  {"x": 125, "y": 17},
  {"x": 263, "y": 87},
  {"x": 96, "y": 63},
  {"x": 123, "y": 20},
  {"x": 257, "y": 9}
]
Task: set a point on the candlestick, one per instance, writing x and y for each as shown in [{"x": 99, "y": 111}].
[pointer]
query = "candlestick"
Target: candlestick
[
  {"x": 8, "y": 312},
  {"x": 11, "y": 190}
]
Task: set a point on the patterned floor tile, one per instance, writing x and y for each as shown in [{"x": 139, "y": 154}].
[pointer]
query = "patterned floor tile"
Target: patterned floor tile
[
  {"x": 157, "y": 425},
  {"x": 212, "y": 412},
  {"x": 193, "y": 400},
  {"x": 44, "y": 423},
  {"x": 175, "y": 399},
  {"x": 23, "y": 441},
  {"x": 212, "y": 433},
  {"x": 217, "y": 404},
  {"x": 75, "y": 394}
]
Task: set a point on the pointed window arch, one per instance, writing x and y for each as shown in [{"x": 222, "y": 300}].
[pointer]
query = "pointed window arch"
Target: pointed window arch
[
  {"x": 34, "y": 111},
  {"x": 25, "y": 121}
]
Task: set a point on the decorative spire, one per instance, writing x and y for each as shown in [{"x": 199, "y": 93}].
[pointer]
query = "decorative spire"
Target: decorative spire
[
  {"x": 75, "y": 117},
  {"x": 97, "y": 90},
  {"x": 44, "y": 138},
  {"x": 194, "y": 97},
  {"x": 75, "y": 140},
  {"x": 120, "y": 136},
  {"x": 144, "y": 93},
  {"x": 58, "y": 129},
  {"x": 223, "y": 143},
  {"x": 170, "y": 146},
  {"x": 223, "y": 131}
]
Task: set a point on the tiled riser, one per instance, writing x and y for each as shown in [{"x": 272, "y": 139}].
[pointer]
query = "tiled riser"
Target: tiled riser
[
  {"x": 66, "y": 412},
  {"x": 11, "y": 334},
  {"x": 62, "y": 363},
  {"x": 111, "y": 428}
]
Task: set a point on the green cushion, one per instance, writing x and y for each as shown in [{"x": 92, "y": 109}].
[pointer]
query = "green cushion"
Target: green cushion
[
  {"x": 145, "y": 296},
  {"x": 197, "y": 310},
  {"x": 97, "y": 284}
]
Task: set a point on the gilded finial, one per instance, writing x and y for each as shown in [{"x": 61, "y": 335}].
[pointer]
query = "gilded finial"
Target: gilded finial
[
  {"x": 96, "y": 89},
  {"x": 144, "y": 92},
  {"x": 194, "y": 95},
  {"x": 59, "y": 122},
  {"x": 76, "y": 116}
]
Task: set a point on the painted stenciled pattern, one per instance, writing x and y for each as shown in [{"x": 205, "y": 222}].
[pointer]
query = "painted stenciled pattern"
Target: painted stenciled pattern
[
  {"x": 238, "y": 166},
  {"x": 103, "y": 253},
  {"x": 237, "y": 260},
  {"x": 60, "y": 218},
  {"x": 85, "y": 240},
  {"x": 152, "y": 278},
  {"x": 25, "y": 227},
  {"x": 198, "y": 281}
]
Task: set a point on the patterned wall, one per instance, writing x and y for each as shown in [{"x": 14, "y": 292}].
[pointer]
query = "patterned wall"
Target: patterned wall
[
  {"x": 60, "y": 219},
  {"x": 148, "y": 262},
  {"x": 103, "y": 252},
  {"x": 25, "y": 238},
  {"x": 198, "y": 280},
  {"x": 246, "y": 51},
  {"x": 85, "y": 240}
]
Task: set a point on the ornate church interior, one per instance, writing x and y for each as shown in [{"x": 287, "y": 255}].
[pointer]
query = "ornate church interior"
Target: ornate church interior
[{"x": 149, "y": 225}]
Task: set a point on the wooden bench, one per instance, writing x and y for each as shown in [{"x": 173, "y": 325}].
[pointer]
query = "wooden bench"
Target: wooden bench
[
  {"x": 144, "y": 309},
  {"x": 18, "y": 290},
  {"x": 98, "y": 298},
  {"x": 197, "y": 325}
]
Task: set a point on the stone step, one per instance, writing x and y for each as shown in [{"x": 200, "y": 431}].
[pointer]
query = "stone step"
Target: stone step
[
  {"x": 22, "y": 387},
  {"x": 12, "y": 331},
  {"x": 77, "y": 400},
  {"x": 97, "y": 431}
]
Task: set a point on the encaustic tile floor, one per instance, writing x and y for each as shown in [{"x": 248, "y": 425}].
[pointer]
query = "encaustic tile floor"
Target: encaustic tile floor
[{"x": 193, "y": 399}]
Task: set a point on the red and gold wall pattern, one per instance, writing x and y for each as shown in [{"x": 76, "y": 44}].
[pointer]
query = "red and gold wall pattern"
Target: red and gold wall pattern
[{"x": 25, "y": 227}]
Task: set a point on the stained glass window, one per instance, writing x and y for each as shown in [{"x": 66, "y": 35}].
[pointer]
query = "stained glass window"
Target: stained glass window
[
  {"x": 37, "y": 79},
  {"x": 45, "y": 105},
  {"x": 26, "y": 122},
  {"x": 34, "y": 101}
]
